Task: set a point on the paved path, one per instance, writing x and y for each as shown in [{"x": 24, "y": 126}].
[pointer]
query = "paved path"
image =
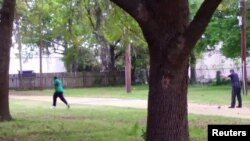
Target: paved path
[{"x": 194, "y": 108}]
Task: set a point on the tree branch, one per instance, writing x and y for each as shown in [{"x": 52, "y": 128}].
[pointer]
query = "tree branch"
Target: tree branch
[
  {"x": 59, "y": 52},
  {"x": 120, "y": 53},
  {"x": 117, "y": 41},
  {"x": 136, "y": 8},
  {"x": 197, "y": 27},
  {"x": 27, "y": 4}
]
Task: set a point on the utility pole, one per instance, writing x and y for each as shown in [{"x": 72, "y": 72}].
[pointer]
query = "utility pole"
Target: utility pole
[
  {"x": 18, "y": 39},
  {"x": 41, "y": 63},
  {"x": 127, "y": 60},
  {"x": 41, "y": 52},
  {"x": 243, "y": 45}
]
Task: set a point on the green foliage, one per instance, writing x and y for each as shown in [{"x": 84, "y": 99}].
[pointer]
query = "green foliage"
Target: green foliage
[
  {"x": 65, "y": 24},
  {"x": 117, "y": 22},
  {"x": 83, "y": 58},
  {"x": 230, "y": 30},
  {"x": 116, "y": 28},
  {"x": 135, "y": 130},
  {"x": 209, "y": 38},
  {"x": 140, "y": 64},
  {"x": 224, "y": 27},
  {"x": 201, "y": 44},
  {"x": 144, "y": 133},
  {"x": 62, "y": 24}
]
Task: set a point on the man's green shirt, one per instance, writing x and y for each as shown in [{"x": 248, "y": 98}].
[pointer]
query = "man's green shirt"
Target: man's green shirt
[{"x": 58, "y": 86}]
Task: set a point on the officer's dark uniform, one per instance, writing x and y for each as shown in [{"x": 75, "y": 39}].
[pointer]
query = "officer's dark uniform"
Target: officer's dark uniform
[{"x": 235, "y": 89}]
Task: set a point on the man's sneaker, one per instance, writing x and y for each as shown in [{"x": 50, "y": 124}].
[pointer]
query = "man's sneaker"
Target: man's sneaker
[
  {"x": 239, "y": 107},
  {"x": 68, "y": 106},
  {"x": 231, "y": 107},
  {"x": 53, "y": 107}
]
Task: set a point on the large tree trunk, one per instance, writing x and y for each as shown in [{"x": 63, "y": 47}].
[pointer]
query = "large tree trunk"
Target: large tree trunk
[
  {"x": 6, "y": 26},
  {"x": 167, "y": 102},
  {"x": 168, "y": 79},
  {"x": 170, "y": 39}
]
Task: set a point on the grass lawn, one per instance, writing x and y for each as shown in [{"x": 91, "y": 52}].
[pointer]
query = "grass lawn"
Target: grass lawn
[
  {"x": 35, "y": 121},
  {"x": 213, "y": 95},
  {"x": 138, "y": 92}
]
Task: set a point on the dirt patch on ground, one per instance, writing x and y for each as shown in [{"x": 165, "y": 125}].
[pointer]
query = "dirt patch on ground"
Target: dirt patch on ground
[
  {"x": 5, "y": 139},
  {"x": 201, "y": 109}
]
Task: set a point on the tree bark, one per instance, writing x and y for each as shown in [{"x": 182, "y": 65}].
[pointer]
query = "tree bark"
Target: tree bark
[
  {"x": 168, "y": 80},
  {"x": 128, "y": 69},
  {"x": 170, "y": 37},
  {"x": 167, "y": 101},
  {"x": 6, "y": 26},
  {"x": 105, "y": 55}
]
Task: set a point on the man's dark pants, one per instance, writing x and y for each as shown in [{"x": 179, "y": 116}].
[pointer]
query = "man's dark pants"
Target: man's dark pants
[
  {"x": 236, "y": 93},
  {"x": 60, "y": 95}
]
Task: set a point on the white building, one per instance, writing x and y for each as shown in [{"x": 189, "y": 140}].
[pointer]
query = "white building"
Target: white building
[
  {"x": 210, "y": 62},
  {"x": 50, "y": 64}
]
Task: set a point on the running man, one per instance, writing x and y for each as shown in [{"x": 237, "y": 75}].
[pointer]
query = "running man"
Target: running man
[{"x": 58, "y": 86}]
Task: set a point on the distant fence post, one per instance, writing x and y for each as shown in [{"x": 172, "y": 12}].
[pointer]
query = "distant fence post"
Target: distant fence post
[{"x": 218, "y": 77}]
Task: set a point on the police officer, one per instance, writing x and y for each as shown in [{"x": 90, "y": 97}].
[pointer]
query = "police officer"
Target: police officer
[{"x": 235, "y": 82}]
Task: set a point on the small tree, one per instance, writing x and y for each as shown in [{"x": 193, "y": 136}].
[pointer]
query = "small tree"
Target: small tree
[{"x": 6, "y": 26}]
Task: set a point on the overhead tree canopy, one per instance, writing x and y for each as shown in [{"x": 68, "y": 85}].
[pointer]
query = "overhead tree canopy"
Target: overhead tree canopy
[
  {"x": 77, "y": 23},
  {"x": 223, "y": 27}
]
